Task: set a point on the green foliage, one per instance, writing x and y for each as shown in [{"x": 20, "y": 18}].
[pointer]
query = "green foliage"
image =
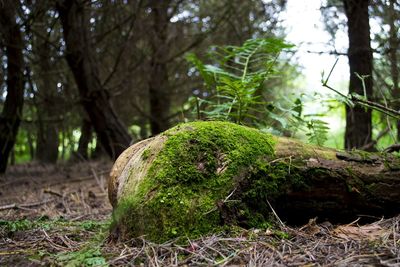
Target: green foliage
[
  {"x": 235, "y": 81},
  {"x": 10, "y": 227},
  {"x": 90, "y": 253},
  {"x": 90, "y": 225},
  {"x": 15, "y": 226},
  {"x": 289, "y": 118},
  {"x": 317, "y": 131},
  {"x": 23, "y": 146},
  {"x": 236, "y": 76},
  {"x": 85, "y": 257}
]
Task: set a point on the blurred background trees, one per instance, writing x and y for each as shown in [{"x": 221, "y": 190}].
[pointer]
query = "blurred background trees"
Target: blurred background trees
[
  {"x": 11, "y": 115},
  {"x": 374, "y": 58},
  {"x": 96, "y": 76}
]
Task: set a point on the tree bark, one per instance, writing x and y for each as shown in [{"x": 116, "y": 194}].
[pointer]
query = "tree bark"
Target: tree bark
[
  {"x": 47, "y": 132},
  {"x": 394, "y": 66},
  {"x": 340, "y": 185},
  {"x": 84, "y": 140},
  {"x": 358, "y": 131},
  {"x": 318, "y": 182},
  {"x": 160, "y": 99},
  {"x": 10, "y": 117},
  {"x": 95, "y": 99}
]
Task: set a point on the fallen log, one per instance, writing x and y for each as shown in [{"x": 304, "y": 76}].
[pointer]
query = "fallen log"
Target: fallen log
[{"x": 199, "y": 176}]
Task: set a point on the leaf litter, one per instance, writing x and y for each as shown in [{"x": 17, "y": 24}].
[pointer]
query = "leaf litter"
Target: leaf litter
[{"x": 59, "y": 216}]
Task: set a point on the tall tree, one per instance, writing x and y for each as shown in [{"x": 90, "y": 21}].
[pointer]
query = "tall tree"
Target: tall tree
[
  {"x": 358, "y": 131},
  {"x": 160, "y": 101},
  {"x": 80, "y": 57},
  {"x": 10, "y": 117},
  {"x": 46, "y": 83},
  {"x": 84, "y": 140},
  {"x": 394, "y": 45}
]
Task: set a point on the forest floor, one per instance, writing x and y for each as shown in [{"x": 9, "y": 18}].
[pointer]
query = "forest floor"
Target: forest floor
[{"x": 60, "y": 215}]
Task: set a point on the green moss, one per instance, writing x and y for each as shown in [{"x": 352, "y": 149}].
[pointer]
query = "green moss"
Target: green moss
[
  {"x": 9, "y": 227},
  {"x": 200, "y": 164},
  {"x": 146, "y": 154},
  {"x": 89, "y": 256}
]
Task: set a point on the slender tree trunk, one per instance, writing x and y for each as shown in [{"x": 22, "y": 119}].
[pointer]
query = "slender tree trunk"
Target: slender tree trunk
[
  {"x": 358, "y": 119},
  {"x": 95, "y": 99},
  {"x": 47, "y": 133},
  {"x": 47, "y": 143},
  {"x": 12, "y": 157},
  {"x": 142, "y": 122},
  {"x": 84, "y": 140},
  {"x": 394, "y": 67},
  {"x": 10, "y": 117},
  {"x": 98, "y": 152},
  {"x": 47, "y": 140},
  {"x": 160, "y": 99}
]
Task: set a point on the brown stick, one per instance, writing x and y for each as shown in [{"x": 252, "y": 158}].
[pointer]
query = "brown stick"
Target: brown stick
[{"x": 24, "y": 205}]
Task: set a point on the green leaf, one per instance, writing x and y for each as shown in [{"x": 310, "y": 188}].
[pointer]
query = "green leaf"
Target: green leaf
[
  {"x": 318, "y": 131},
  {"x": 298, "y": 107},
  {"x": 236, "y": 75}
]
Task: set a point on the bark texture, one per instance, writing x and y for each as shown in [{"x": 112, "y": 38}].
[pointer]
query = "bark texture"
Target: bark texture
[
  {"x": 10, "y": 118},
  {"x": 112, "y": 134},
  {"x": 358, "y": 131},
  {"x": 46, "y": 96},
  {"x": 394, "y": 46},
  {"x": 160, "y": 99},
  {"x": 232, "y": 175},
  {"x": 340, "y": 186},
  {"x": 84, "y": 140}
]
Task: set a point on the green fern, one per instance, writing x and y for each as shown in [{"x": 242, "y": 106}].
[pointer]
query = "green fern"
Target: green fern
[
  {"x": 236, "y": 76},
  {"x": 317, "y": 132}
]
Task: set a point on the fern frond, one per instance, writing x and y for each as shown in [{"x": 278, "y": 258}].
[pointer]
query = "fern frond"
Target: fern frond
[
  {"x": 318, "y": 132},
  {"x": 237, "y": 75}
]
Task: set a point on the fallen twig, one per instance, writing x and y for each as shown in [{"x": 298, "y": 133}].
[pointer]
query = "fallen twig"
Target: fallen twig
[
  {"x": 99, "y": 183},
  {"x": 24, "y": 205},
  {"x": 51, "y": 192}
]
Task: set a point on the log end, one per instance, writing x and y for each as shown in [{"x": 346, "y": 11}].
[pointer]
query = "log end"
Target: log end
[{"x": 184, "y": 182}]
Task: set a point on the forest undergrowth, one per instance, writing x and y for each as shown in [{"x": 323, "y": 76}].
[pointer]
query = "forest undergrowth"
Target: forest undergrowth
[{"x": 59, "y": 216}]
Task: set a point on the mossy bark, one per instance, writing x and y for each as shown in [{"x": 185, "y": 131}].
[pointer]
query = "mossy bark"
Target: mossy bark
[{"x": 199, "y": 176}]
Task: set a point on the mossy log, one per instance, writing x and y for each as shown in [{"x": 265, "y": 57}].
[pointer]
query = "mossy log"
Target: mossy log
[{"x": 198, "y": 176}]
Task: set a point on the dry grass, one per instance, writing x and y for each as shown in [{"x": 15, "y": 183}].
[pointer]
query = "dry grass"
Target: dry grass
[{"x": 313, "y": 245}]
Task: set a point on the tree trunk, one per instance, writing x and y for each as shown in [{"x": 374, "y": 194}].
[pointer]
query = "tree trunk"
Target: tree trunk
[
  {"x": 10, "y": 117},
  {"x": 95, "y": 99},
  {"x": 160, "y": 99},
  {"x": 47, "y": 132},
  {"x": 98, "y": 151},
  {"x": 84, "y": 140},
  {"x": 358, "y": 131},
  {"x": 47, "y": 143},
  {"x": 216, "y": 173},
  {"x": 394, "y": 66}
]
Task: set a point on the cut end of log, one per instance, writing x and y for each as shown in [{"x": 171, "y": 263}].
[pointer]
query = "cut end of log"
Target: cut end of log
[{"x": 170, "y": 185}]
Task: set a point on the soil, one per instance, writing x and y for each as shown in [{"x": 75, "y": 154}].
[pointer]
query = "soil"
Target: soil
[{"x": 59, "y": 216}]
